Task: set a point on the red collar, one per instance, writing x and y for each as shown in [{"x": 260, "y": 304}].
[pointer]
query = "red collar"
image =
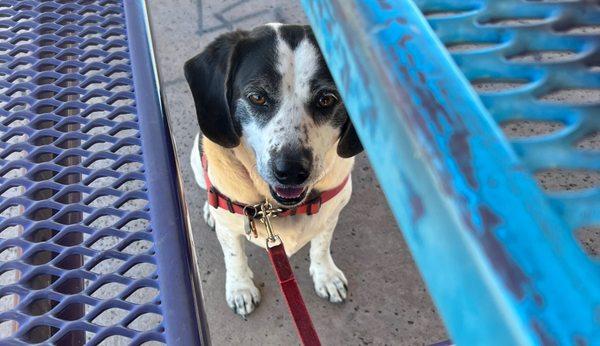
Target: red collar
[{"x": 218, "y": 200}]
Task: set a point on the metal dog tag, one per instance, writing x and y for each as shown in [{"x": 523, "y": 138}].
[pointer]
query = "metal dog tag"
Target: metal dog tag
[{"x": 250, "y": 227}]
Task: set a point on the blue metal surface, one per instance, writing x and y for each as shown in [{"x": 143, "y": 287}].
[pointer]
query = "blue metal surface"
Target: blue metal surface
[
  {"x": 86, "y": 161},
  {"x": 543, "y": 28},
  {"x": 498, "y": 254}
]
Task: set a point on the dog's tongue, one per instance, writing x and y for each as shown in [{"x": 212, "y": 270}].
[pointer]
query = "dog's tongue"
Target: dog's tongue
[{"x": 289, "y": 192}]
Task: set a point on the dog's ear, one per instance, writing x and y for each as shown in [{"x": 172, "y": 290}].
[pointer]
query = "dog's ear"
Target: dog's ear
[
  {"x": 349, "y": 144},
  {"x": 209, "y": 76}
]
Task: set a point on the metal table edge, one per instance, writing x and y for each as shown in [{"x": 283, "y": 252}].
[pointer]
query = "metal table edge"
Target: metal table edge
[{"x": 184, "y": 315}]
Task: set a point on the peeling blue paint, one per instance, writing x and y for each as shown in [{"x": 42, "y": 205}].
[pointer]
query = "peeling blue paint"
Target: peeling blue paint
[{"x": 497, "y": 253}]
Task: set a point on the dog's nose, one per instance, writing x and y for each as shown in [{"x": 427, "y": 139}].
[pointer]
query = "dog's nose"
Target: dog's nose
[{"x": 291, "y": 172}]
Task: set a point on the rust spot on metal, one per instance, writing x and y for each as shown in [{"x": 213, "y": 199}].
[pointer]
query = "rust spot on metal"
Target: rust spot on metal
[
  {"x": 427, "y": 114},
  {"x": 402, "y": 41},
  {"x": 421, "y": 77},
  {"x": 514, "y": 278},
  {"x": 545, "y": 338},
  {"x": 461, "y": 151},
  {"x": 467, "y": 217},
  {"x": 428, "y": 100},
  {"x": 384, "y": 4},
  {"x": 416, "y": 203},
  {"x": 419, "y": 123},
  {"x": 432, "y": 108},
  {"x": 417, "y": 207},
  {"x": 489, "y": 219},
  {"x": 579, "y": 341},
  {"x": 468, "y": 220},
  {"x": 411, "y": 59}
]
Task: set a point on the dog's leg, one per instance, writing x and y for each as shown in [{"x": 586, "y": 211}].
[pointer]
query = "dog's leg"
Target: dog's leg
[
  {"x": 330, "y": 282},
  {"x": 241, "y": 293}
]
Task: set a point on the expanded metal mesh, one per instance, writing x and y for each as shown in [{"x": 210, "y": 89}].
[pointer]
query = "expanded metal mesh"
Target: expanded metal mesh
[
  {"x": 76, "y": 242},
  {"x": 536, "y": 67}
]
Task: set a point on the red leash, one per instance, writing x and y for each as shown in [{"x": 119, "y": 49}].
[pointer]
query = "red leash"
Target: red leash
[
  {"x": 279, "y": 259},
  {"x": 287, "y": 282},
  {"x": 289, "y": 287}
]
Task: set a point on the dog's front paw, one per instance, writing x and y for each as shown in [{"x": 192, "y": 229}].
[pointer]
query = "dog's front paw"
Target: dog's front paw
[
  {"x": 208, "y": 217},
  {"x": 242, "y": 297},
  {"x": 330, "y": 283}
]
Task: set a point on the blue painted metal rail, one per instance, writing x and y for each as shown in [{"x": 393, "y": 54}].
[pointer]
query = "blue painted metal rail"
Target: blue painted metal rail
[
  {"x": 93, "y": 239},
  {"x": 499, "y": 255}
]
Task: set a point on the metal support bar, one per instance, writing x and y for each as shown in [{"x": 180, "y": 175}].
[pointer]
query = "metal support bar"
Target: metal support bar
[{"x": 165, "y": 194}]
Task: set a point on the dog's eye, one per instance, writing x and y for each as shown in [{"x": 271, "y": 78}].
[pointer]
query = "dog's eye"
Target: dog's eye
[
  {"x": 257, "y": 99},
  {"x": 327, "y": 100}
]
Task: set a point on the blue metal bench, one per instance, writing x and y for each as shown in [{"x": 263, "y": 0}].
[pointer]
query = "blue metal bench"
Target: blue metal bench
[
  {"x": 92, "y": 224},
  {"x": 498, "y": 255}
]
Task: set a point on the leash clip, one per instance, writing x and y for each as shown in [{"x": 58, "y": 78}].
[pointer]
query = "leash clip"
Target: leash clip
[{"x": 265, "y": 214}]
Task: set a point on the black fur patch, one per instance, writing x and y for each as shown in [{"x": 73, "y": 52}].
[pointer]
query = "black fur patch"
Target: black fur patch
[
  {"x": 240, "y": 63},
  {"x": 257, "y": 72},
  {"x": 207, "y": 74},
  {"x": 293, "y": 34}
]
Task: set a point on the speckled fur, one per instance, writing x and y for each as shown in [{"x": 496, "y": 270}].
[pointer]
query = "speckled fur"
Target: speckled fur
[{"x": 242, "y": 174}]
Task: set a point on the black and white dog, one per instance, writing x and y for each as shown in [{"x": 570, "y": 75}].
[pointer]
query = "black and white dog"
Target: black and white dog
[{"x": 274, "y": 128}]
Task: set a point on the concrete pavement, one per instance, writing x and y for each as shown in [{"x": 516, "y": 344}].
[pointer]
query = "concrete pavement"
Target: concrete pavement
[{"x": 388, "y": 303}]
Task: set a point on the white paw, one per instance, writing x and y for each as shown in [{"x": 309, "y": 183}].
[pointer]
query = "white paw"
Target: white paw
[
  {"x": 207, "y": 216},
  {"x": 243, "y": 297},
  {"x": 330, "y": 283}
]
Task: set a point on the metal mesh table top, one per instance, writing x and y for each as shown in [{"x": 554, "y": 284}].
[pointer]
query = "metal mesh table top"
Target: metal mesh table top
[
  {"x": 535, "y": 62},
  {"x": 90, "y": 230}
]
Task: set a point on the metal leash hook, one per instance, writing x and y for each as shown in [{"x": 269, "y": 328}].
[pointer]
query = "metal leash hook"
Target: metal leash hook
[{"x": 265, "y": 214}]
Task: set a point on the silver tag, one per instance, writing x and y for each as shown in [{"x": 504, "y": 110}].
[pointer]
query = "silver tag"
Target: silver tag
[
  {"x": 247, "y": 227},
  {"x": 250, "y": 227}
]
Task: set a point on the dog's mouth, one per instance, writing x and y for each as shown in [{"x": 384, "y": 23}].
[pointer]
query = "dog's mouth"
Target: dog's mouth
[{"x": 288, "y": 196}]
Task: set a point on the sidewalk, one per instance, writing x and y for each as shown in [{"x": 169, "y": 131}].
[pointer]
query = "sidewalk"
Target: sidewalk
[{"x": 388, "y": 303}]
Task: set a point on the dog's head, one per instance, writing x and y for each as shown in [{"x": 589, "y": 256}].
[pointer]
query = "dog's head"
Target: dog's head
[{"x": 270, "y": 89}]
